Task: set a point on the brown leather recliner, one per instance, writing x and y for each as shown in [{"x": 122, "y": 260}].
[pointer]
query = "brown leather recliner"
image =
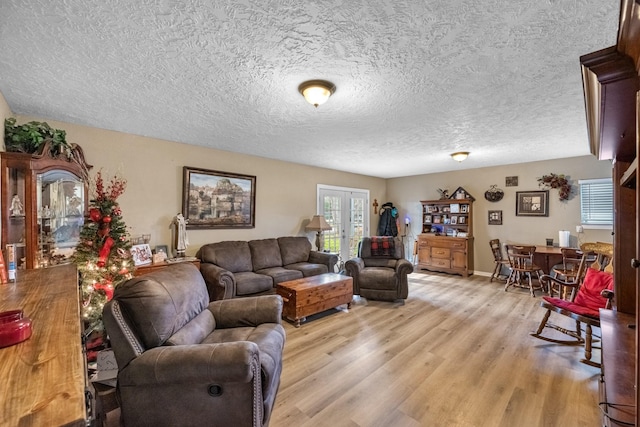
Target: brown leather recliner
[
  {"x": 380, "y": 272},
  {"x": 185, "y": 361}
]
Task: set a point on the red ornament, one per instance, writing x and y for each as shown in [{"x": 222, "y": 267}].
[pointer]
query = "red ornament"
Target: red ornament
[
  {"x": 95, "y": 215},
  {"x": 103, "y": 232},
  {"x": 106, "y": 219}
]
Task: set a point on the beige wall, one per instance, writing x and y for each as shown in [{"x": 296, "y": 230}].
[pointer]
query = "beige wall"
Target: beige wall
[
  {"x": 407, "y": 192},
  {"x": 285, "y": 192}
]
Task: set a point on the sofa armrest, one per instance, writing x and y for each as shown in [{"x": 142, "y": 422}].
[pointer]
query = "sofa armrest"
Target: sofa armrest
[
  {"x": 404, "y": 267},
  {"x": 237, "y": 361},
  {"x": 221, "y": 283},
  {"x": 250, "y": 311},
  {"x": 325, "y": 258},
  {"x": 354, "y": 266}
]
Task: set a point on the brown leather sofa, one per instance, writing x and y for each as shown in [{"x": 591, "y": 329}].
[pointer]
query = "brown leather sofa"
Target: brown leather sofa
[
  {"x": 183, "y": 360},
  {"x": 380, "y": 275},
  {"x": 234, "y": 269}
]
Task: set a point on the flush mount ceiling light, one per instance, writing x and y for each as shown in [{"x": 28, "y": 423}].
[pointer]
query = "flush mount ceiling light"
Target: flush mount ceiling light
[
  {"x": 316, "y": 92},
  {"x": 460, "y": 156}
]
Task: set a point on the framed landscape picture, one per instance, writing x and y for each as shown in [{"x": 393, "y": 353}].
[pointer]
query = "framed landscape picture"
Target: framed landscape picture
[
  {"x": 532, "y": 203},
  {"x": 215, "y": 199}
]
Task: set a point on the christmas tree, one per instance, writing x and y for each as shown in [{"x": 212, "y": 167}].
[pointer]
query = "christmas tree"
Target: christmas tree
[{"x": 103, "y": 254}]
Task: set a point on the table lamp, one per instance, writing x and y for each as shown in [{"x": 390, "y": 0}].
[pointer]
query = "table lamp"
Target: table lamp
[{"x": 318, "y": 224}]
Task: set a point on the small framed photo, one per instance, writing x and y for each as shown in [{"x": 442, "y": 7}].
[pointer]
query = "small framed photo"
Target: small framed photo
[
  {"x": 454, "y": 220},
  {"x": 427, "y": 219},
  {"x": 464, "y": 208},
  {"x": 495, "y": 217},
  {"x": 162, "y": 248},
  {"x": 532, "y": 203},
  {"x": 436, "y": 220},
  {"x": 141, "y": 254},
  {"x": 462, "y": 220},
  {"x": 455, "y": 208},
  {"x": 511, "y": 181}
]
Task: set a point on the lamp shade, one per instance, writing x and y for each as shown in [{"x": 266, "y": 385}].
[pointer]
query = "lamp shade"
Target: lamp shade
[{"x": 318, "y": 223}]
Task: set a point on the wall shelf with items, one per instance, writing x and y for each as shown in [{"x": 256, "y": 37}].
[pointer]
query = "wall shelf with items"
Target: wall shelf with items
[
  {"x": 446, "y": 242},
  {"x": 44, "y": 201},
  {"x": 449, "y": 217}
]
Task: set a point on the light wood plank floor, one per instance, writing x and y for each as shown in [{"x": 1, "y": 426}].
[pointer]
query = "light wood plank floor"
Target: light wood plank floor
[{"x": 458, "y": 353}]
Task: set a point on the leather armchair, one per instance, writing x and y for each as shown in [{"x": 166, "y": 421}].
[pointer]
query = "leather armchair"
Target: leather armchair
[
  {"x": 380, "y": 274},
  {"x": 185, "y": 361}
]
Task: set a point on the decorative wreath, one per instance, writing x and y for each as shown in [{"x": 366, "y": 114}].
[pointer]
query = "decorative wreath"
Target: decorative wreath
[{"x": 556, "y": 181}]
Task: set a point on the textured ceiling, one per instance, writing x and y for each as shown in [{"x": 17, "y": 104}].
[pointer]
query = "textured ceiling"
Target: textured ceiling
[{"x": 416, "y": 79}]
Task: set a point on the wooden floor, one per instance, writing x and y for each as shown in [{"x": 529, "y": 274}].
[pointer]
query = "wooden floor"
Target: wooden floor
[{"x": 458, "y": 353}]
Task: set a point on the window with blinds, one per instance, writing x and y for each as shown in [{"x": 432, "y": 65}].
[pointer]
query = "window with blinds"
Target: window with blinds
[{"x": 596, "y": 202}]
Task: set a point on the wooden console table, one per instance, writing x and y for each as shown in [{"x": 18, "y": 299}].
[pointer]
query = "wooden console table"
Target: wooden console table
[
  {"x": 44, "y": 378},
  {"x": 146, "y": 269},
  {"x": 617, "y": 388}
]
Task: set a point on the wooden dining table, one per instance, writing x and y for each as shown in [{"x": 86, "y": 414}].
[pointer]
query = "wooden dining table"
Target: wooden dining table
[{"x": 546, "y": 257}]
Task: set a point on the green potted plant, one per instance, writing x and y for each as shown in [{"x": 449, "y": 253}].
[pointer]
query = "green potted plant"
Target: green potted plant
[{"x": 35, "y": 138}]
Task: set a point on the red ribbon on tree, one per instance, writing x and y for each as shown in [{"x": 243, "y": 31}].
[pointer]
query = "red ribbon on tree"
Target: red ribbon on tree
[
  {"x": 107, "y": 287},
  {"x": 104, "y": 252}
]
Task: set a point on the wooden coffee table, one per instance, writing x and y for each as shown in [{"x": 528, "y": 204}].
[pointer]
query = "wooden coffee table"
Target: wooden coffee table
[{"x": 315, "y": 294}]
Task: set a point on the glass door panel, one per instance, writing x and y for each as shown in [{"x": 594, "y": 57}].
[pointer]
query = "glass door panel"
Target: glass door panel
[{"x": 60, "y": 205}]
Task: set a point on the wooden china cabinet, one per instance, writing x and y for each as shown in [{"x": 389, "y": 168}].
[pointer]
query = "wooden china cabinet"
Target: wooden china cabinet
[
  {"x": 44, "y": 202},
  {"x": 612, "y": 100},
  {"x": 446, "y": 242}
]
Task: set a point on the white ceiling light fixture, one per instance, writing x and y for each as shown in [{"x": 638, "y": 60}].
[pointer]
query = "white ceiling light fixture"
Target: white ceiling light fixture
[
  {"x": 316, "y": 92},
  {"x": 460, "y": 155}
]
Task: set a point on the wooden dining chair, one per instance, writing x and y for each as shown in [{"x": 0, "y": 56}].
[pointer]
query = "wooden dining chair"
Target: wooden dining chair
[
  {"x": 591, "y": 291},
  {"x": 523, "y": 268},
  {"x": 499, "y": 260}
]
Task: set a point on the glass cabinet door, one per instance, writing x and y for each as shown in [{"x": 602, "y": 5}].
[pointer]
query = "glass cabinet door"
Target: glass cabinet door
[
  {"x": 60, "y": 207},
  {"x": 16, "y": 226}
]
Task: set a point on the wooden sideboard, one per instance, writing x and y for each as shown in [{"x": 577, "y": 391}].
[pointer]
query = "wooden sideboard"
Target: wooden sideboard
[
  {"x": 446, "y": 254},
  {"x": 44, "y": 378}
]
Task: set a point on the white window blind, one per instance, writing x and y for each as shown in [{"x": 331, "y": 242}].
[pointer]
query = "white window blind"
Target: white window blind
[{"x": 596, "y": 202}]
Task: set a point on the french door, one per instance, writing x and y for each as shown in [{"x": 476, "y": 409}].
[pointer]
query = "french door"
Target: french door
[{"x": 345, "y": 209}]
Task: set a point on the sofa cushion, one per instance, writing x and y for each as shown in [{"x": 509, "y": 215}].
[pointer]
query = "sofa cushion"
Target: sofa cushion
[
  {"x": 248, "y": 283},
  {"x": 161, "y": 303},
  {"x": 265, "y": 254},
  {"x": 280, "y": 274},
  {"x": 379, "y": 278},
  {"x": 308, "y": 269},
  {"x": 234, "y": 256},
  {"x": 294, "y": 249}
]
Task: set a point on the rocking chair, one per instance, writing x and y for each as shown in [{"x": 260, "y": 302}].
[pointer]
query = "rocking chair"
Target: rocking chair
[{"x": 591, "y": 291}]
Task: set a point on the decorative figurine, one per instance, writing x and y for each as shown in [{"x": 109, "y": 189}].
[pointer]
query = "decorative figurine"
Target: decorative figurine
[
  {"x": 17, "y": 208},
  {"x": 181, "y": 241}
]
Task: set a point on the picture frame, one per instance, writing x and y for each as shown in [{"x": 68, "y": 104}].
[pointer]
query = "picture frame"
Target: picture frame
[
  {"x": 454, "y": 220},
  {"x": 141, "y": 254},
  {"x": 216, "y": 199},
  {"x": 462, "y": 220},
  {"x": 511, "y": 181},
  {"x": 464, "y": 208},
  {"x": 164, "y": 248},
  {"x": 532, "y": 203},
  {"x": 495, "y": 217},
  {"x": 455, "y": 208},
  {"x": 427, "y": 219}
]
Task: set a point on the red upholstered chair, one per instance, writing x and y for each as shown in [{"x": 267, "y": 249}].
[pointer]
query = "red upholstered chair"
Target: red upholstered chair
[{"x": 592, "y": 291}]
